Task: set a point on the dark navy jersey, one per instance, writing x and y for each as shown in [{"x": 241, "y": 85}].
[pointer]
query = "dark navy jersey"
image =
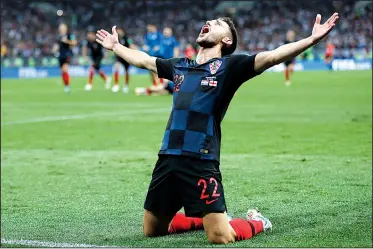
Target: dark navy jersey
[
  {"x": 95, "y": 49},
  {"x": 65, "y": 49},
  {"x": 202, "y": 93},
  {"x": 125, "y": 41}
]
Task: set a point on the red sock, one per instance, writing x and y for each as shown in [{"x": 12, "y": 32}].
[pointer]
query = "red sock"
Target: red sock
[
  {"x": 66, "y": 78},
  {"x": 116, "y": 78},
  {"x": 103, "y": 76},
  {"x": 180, "y": 224},
  {"x": 127, "y": 78},
  {"x": 245, "y": 229},
  {"x": 287, "y": 74},
  {"x": 161, "y": 80},
  {"x": 148, "y": 91},
  {"x": 91, "y": 73}
]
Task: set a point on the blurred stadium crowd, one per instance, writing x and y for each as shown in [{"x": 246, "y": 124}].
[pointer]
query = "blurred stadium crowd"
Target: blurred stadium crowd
[{"x": 30, "y": 27}]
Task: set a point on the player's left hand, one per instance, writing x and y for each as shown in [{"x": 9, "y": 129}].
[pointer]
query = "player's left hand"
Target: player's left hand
[
  {"x": 319, "y": 31},
  {"x": 106, "y": 39}
]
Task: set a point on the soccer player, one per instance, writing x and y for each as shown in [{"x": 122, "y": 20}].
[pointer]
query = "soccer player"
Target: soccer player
[
  {"x": 96, "y": 51},
  {"x": 289, "y": 64},
  {"x": 187, "y": 171},
  {"x": 329, "y": 54},
  {"x": 127, "y": 42},
  {"x": 169, "y": 45},
  {"x": 65, "y": 41},
  {"x": 152, "y": 46},
  {"x": 166, "y": 89}
]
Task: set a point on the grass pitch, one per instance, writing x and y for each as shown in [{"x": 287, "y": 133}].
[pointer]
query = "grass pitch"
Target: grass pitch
[{"x": 75, "y": 167}]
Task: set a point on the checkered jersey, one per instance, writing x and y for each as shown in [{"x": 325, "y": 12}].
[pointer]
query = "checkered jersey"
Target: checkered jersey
[{"x": 202, "y": 93}]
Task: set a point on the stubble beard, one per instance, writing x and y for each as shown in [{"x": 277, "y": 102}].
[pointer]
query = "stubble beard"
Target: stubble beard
[{"x": 205, "y": 43}]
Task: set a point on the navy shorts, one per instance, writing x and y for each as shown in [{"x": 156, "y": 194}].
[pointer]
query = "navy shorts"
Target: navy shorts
[
  {"x": 182, "y": 181},
  {"x": 123, "y": 62},
  {"x": 64, "y": 60},
  {"x": 97, "y": 62},
  {"x": 287, "y": 63}
]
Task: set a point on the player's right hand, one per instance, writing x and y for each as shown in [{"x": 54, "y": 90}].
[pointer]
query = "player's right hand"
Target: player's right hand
[{"x": 106, "y": 39}]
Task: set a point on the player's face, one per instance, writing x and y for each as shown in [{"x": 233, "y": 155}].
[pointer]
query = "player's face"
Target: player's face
[
  {"x": 151, "y": 28},
  {"x": 91, "y": 36},
  {"x": 120, "y": 32},
  {"x": 290, "y": 35},
  {"x": 167, "y": 32},
  {"x": 213, "y": 33},
  {"x": 62, "y": 29}
]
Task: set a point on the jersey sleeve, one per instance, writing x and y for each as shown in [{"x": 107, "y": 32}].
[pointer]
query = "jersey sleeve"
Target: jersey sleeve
[
  {"x": 165, "y": 68},
  {"x": 242, "y": 67}
]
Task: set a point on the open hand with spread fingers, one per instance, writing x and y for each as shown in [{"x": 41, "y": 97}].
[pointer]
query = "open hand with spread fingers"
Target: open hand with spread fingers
[
  {"x": 106, "y": 39},
  {"x": 319, "y": 31}
]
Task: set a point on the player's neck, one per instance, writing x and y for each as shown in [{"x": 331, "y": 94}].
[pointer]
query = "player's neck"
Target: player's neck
[{"x": 206, "y": 54}]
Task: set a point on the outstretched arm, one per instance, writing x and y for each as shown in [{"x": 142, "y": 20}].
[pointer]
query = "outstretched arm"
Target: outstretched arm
[
  {"x": 133, "y": 57},
  {"x": 265, "y": 60}
]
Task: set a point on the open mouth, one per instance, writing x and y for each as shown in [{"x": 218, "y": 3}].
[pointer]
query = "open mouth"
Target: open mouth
[{"x": 205, "y": 29}]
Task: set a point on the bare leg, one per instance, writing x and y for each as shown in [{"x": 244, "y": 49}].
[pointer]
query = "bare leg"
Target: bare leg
[
  {"x": 155, "y": 225},
  {"x": 218, "y": 229}
]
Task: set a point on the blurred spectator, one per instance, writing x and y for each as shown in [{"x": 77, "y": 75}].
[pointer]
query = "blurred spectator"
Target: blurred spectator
[
  {"x": 189, "y": 52},
  {"x": 31, "y": 26},
  {"x": 4, "y": 50}
]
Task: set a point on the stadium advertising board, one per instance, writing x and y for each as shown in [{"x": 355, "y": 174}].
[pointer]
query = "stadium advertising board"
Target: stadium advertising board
[{"x": 77, "y": 71}]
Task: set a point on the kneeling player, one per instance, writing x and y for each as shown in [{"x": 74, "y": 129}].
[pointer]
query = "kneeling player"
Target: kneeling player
[
  {"x": 289, "y": 64},
  {"x": 96, "y": 52},
  {"x": 187, "y": 174},
  {"x": 166, "y": 89}
]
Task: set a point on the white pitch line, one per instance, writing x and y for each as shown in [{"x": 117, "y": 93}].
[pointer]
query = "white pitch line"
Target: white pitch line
[
  {"x": 81, "y": 116},
  {"x": 46, "y": 243},
  {"x": 64, "y": 104},
  {"x": 154, "y": 154}
]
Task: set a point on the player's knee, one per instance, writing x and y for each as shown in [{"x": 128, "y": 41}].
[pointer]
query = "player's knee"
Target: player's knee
[
  {"x": 217, "y": 237},
  {"x": 65, "y": 68},
  {"x": 148, "y": 233}
]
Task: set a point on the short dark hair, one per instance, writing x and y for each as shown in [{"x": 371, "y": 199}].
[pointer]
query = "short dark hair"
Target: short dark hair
[{"x": 229, "y": 50}]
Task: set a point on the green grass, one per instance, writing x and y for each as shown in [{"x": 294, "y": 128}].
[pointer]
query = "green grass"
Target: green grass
[{"x": 302, "y": 154}]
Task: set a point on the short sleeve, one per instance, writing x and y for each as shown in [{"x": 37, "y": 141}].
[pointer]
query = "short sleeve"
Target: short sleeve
[
  {"x": 242, "y": 67},
  {"x": 165, "y": 67}
]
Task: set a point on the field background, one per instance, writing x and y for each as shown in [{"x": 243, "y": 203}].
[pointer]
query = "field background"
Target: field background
[{"x": 75, "y": 167}]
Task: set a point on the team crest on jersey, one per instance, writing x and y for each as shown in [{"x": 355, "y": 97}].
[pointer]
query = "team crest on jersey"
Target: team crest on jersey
[{"x": 214, "y": 66}]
